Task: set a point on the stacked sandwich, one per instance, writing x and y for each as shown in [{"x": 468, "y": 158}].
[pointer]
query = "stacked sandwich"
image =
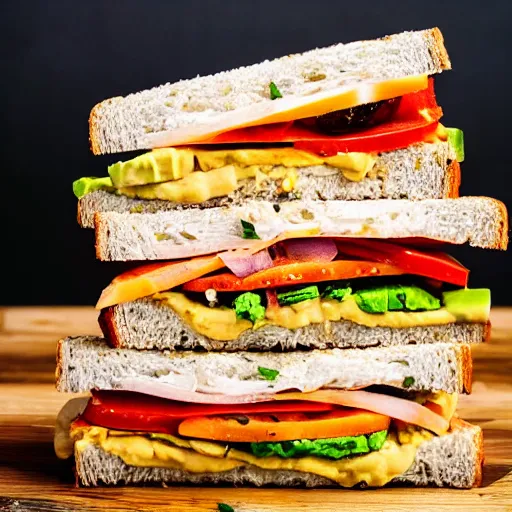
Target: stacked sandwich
[{"x": 301, "y": 322}]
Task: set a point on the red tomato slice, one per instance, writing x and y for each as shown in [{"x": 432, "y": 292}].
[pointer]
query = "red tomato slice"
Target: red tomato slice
[
  {"x": 415, "y": 120},
  {"x": 124, "y": 410},
  {"x": 261, "y": 428},
  {"x": 385, "y": 137},
  {"x": 432, "y": 264},
  {"x": 289, "y": 274}
]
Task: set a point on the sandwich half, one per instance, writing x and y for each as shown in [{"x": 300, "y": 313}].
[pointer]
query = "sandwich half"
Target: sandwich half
[
  {"x": 349, "y": 122},
  {"x": 319, "y": 418}
]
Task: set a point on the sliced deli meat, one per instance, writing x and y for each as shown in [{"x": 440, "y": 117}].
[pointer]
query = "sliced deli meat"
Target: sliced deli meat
[{"x": 397, "y": 408}]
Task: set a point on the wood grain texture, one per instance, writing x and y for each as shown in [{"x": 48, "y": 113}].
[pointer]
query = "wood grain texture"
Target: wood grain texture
[{"x": 32, "y": 479}]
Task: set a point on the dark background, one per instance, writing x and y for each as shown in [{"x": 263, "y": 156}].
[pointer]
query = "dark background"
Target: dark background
[{"x": 61, "y": 57}]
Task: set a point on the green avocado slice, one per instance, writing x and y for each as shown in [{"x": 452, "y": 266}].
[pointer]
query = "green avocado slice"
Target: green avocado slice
[
  {"x": 89, "y": 184},
  {"x": 456, "y": 139},
  {"x": 396, "y": 298},
  {"x": 418, "y": 299},
  {"x": 373, "y": 300},
  {"x": 157, "y": 166},
  {"x": 467, "y": 303}
]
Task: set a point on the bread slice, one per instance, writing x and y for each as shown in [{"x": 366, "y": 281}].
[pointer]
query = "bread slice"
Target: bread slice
[
  {"x": 87, "y": 362},
  {"x": 421, "y": 171},
  {"x": 480, "y": 221},
  {"x": 452, "y": 460},
  {"x": 125, "y": 124},
  {"x": 149, "y": 324}
]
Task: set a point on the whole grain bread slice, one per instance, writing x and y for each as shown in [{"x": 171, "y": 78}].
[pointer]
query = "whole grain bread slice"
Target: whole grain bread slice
[
  {"x": 125, "y": 124},
  {"x": 480, "y": 221},
  {"x": 149, "y": 324},
  {"x": 87, "y": 362},
  {"x": 421, "y": 171},
  {"x": 452, "y": 460}
]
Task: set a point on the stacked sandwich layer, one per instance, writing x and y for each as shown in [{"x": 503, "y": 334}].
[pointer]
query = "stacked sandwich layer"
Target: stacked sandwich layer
[{"x": 302, "y": 322}]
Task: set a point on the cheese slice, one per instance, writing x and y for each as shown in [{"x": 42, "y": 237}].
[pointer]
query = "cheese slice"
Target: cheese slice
[{"x": 290, "y": 108}]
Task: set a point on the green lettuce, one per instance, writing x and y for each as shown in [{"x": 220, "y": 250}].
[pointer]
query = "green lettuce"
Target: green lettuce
[
  {"x": 248, "y": 306},
  {"x": 333, "y": 448}
]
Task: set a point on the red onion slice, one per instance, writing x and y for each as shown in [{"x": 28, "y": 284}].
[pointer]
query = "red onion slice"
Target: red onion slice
[
  {"x": 310, "y": 249},
  {"x": 243, "y": 265}
]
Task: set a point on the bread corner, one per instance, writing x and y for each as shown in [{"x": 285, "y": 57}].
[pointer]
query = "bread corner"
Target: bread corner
[
  {"x": 452, "y": 180},
  {"x": 439, "y": 49},
  {"x": 108, "y": 327},
  {"x": 466, "y": 366}
]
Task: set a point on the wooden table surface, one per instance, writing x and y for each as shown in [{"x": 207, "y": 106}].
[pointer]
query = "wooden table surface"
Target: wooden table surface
[{"x": 32, "y": 479}]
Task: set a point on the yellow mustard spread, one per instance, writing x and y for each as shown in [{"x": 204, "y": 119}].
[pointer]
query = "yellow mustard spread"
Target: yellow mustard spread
[
  {"x": 222, "y": 324},
  {"x": 161, "y": 450}
]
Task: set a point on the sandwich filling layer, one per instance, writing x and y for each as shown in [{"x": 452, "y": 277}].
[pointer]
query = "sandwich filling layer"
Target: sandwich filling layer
[
  {"x": 348, "y": 446},
  {"x": 365, "y": 308},
  {"x": 347, "y": 141},
  {"x": 376, "y": 468}
]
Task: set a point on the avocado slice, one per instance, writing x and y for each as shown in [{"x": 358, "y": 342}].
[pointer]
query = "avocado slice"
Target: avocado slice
[
  {"x": 89, "y": 184},
  {"x": 164, "y": 164},
  {"x": 469, "y": 305},
  {"x": 418, "y": 299},
  {"x": 396, "y": 298},
  {"x": 456, "y": 139},
  {"x": 373, "y": 300}
]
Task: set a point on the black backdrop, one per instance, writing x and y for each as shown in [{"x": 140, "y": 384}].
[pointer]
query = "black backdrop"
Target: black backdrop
[{"x": 60, "y": 57}]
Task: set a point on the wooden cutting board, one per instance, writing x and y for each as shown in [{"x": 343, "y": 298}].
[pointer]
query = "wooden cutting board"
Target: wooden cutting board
[{"x": 32, "y": 479}]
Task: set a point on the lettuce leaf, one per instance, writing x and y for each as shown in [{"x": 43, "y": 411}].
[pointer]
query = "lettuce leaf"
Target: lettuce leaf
[{"x": 333, "y": 448}]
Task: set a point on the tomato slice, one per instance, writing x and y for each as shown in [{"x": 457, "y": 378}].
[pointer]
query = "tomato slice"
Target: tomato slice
[
  {"x": 124, "y": 410},
  {"x": 432, "y": 264},
  {"x": 285, "y": 426},
  {"x": 415, "y": 120},
  {"x": 386, "y": 137},
  {"x": 289, "y": 274}
]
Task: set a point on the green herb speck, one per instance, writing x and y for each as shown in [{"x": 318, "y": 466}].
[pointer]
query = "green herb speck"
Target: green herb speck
[
  {"x": 249, "y": 231},
  {"x": 162, "y": 236},
  {"x": 274, "y": 91},
  {"x": 408, "y": 382},
  {"x": 268, "y": 373}
]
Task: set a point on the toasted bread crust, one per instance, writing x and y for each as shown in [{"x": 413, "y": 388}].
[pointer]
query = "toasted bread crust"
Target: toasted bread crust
[
  {"x": 452, "y": 182},
  {"x": 59, "y": 362},
  {"x": 94, "y": 124},
  {"x": 439, "y": 49},
  {"x": 465, "y": 363},
  {"x": 457, "y": 423},
  {"x": 502, "y": 226},
  {"x": 487, "y": 334},
  {"x": 108, "y": 327},
  {"x": 97, "y": 237}
]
